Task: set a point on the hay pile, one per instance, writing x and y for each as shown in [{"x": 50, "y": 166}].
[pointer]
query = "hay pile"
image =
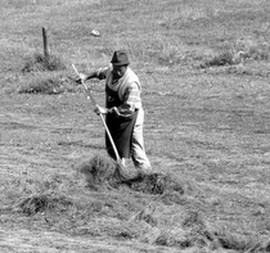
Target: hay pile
[
  {"x": 100, "y": 173},
  {"x": 103, "y": 172},
  {"x": 42, "y": 203},
  {"x": 148, "y": 208}
]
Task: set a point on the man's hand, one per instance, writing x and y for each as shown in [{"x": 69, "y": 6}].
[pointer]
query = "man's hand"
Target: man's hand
[
  {"x": 101, "y": 110},
  {"x": 82, "y": 77}
]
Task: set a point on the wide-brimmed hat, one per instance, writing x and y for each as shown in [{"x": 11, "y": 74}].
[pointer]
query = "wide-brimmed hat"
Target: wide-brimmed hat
[{"x": 120, "y": 58}]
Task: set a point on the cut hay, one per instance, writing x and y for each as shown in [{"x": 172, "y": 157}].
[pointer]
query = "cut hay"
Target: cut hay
[
  {"x": 103, "y": 172},
  {"x": 156, "y": 183},
  {"x": 42, "y": 203},
  {"x": 100, "y": 172},
  {"x": 146, "y": 215},
  {"x": 238, "y": 242},
  {"x": 121, "y": 230}
]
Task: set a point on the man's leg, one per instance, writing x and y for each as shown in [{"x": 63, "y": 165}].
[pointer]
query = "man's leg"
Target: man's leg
[{"x": 138, "y": 154}]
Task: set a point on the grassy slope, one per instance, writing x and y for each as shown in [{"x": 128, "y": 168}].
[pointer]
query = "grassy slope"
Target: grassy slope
[{"x": 208, "y": 127}]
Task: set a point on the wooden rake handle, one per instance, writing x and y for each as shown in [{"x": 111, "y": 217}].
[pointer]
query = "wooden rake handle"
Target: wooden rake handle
[{"x": 90, "y": 96}]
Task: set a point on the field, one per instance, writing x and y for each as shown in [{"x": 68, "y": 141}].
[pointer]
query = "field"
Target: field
[{"x": 204, "y": 67}]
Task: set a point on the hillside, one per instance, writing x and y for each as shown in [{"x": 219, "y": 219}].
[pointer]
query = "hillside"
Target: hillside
[{"x": 204, "y": 67}]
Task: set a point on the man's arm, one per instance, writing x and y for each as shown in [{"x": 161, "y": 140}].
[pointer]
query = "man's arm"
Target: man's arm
[
  {"x": 99, "y": 73},
  {"x": 131, "y": 101},
  {"x": 84, "y": 77}
]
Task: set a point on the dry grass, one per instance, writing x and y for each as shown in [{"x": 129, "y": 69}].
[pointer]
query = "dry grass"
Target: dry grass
[
  {"x": 206, "y": 129},
  {"x": 47, "y": 83},
  {"x": 41, "y": 62}
]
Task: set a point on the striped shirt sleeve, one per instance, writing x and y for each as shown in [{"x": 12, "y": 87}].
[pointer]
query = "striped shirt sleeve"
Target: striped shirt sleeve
[{"x": 131, "y": 101}]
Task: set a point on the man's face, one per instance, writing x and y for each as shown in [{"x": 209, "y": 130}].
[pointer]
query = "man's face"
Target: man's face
[{"x": 118, "y": 71}]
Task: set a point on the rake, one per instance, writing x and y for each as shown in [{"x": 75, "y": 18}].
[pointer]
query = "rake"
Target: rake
[{"x": 90, "y": 97}]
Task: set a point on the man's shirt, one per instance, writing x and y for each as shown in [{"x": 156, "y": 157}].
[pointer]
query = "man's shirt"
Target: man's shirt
[{"x": 128, "y": 88}]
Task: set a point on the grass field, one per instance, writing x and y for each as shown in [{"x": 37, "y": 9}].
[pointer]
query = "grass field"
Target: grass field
[{"x": 204, "y": 67}]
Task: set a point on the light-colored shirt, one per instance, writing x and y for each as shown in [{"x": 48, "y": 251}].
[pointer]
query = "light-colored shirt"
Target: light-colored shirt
[{"x": 128, "y": 88}]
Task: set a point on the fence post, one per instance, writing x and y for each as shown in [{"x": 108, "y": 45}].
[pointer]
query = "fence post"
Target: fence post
[{"x": 45, "y": 42}]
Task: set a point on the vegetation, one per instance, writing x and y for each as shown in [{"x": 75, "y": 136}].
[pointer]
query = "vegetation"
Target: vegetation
[
  {"x": 204, "y": 67},
  {"x": 41, "y": 62}
]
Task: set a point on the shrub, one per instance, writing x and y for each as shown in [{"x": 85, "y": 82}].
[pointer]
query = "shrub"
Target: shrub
[
  {"x": 41, "y": 62},
  {"x": 254, "y": 50},
  {"x": 222, "y": 59},
  {"x": 243, "y": 50},
  {"x": 44, "y": 84}
]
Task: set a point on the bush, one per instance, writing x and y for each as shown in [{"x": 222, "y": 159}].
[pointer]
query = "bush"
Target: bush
[
  {"x": 242, "y": 51},
  {"x": 254, "y": 50},
  {"x": 222, "y": 59},
  {"x": 41, "y": 62},
  {"x": 48, "y": 84}
]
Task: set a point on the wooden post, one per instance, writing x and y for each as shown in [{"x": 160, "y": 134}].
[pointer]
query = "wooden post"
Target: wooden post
[{"x": 45, "y": 42}]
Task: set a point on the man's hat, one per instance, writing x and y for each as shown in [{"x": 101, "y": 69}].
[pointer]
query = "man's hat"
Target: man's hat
[{"x": 120, "y": 58}]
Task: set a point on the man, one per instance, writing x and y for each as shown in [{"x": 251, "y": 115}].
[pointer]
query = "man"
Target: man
[{"x": 124, "y": 112}]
